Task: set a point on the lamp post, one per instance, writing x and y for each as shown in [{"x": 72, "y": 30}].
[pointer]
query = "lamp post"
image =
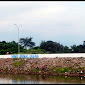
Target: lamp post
[{"x": 18, "y": 39}]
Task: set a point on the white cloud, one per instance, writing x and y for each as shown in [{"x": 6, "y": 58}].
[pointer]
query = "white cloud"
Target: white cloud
[{"x": 48, "y": 19}]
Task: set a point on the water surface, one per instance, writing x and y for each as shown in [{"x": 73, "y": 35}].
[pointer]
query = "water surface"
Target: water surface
[{"x": 39, "y": 79}]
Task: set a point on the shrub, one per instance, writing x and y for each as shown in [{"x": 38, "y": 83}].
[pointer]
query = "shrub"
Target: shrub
[
  {"x": 66, "y": 69},
  {"x": 61, "y": 70},
  {"x": 80, "y": 57},
  {"x": 36, "y": 51},
  {"x": 57, "y": 70},
  {"x": 19, "y": 63}
]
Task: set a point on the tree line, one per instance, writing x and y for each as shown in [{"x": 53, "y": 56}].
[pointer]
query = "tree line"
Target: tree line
[{"x": 45, "y": 47}]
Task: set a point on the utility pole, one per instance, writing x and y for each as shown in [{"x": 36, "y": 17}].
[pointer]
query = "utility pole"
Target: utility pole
[{"x": 18, "y": 40}]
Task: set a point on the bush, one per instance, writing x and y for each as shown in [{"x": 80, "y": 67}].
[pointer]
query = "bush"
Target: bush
[
  {"x": 19, "y": 63},
  {"x": 57, "y": 70},
  {"x": 36, "y": 51},
  {"x": 66, "y": 69},
  {"x": 61, "y": 70},
  {"x": 81, "y": 57}
]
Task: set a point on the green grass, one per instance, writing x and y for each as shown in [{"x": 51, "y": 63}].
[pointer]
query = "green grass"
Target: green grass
[
  {"x": 19, "y": 63},
  {"x": 61, "y": 70}
]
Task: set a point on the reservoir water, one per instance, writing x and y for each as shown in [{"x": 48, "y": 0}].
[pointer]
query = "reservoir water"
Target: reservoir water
[{"x": 39, "y": 79}]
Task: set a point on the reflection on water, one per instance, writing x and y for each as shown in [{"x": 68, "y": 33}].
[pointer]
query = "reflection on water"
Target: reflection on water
[{"x": 39, "y": 79}]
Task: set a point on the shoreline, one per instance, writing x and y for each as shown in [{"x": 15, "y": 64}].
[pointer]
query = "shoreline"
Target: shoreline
[
  {"x": 43, "y": 73},
  {"x": 54, "y": 66}
]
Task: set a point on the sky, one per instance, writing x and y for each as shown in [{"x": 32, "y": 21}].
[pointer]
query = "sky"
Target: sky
[{"x": 60, "y": 21}]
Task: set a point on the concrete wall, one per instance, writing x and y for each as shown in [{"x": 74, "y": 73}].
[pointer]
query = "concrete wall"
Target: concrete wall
[{"x": 44, "y": 55}]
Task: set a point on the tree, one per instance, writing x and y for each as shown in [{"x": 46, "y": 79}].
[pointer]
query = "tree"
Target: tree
[
  {"x": 66, "y": 49},
  {"x": 52, "y": 47},
  {"x": 11, "y": 47},
  {"x": 75, "y": 49},
  {"x": 27, "y": 42},
  {"x": 81, "y": 48}
]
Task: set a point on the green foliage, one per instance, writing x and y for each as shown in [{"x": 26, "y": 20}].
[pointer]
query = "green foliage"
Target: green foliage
[
  {"x": 36, "y": 51},
  {"x": 61, "y": 70},
  {"x": 66, "y": 50},
  {"x": 75, "y": 48},
  {"x": 27, "y": 42},
  {"x": 81, "y": 68},
  {"x": 6, "y": 69},
  {"x": 52, "y": 47},
  {"x": 78, "y": 49},
  {"x": 74, "y": 69},
  {"x": 19, "y": 63},
  {"x": 11, "y": 47},
  {"x": 68, "y": 60},
  {"x": 46, "y": 47},
  {"x": 81, "y": 57}
]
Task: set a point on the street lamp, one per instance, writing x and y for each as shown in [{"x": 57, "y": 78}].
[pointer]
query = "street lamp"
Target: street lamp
[{"x": 18, "y": 39}]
